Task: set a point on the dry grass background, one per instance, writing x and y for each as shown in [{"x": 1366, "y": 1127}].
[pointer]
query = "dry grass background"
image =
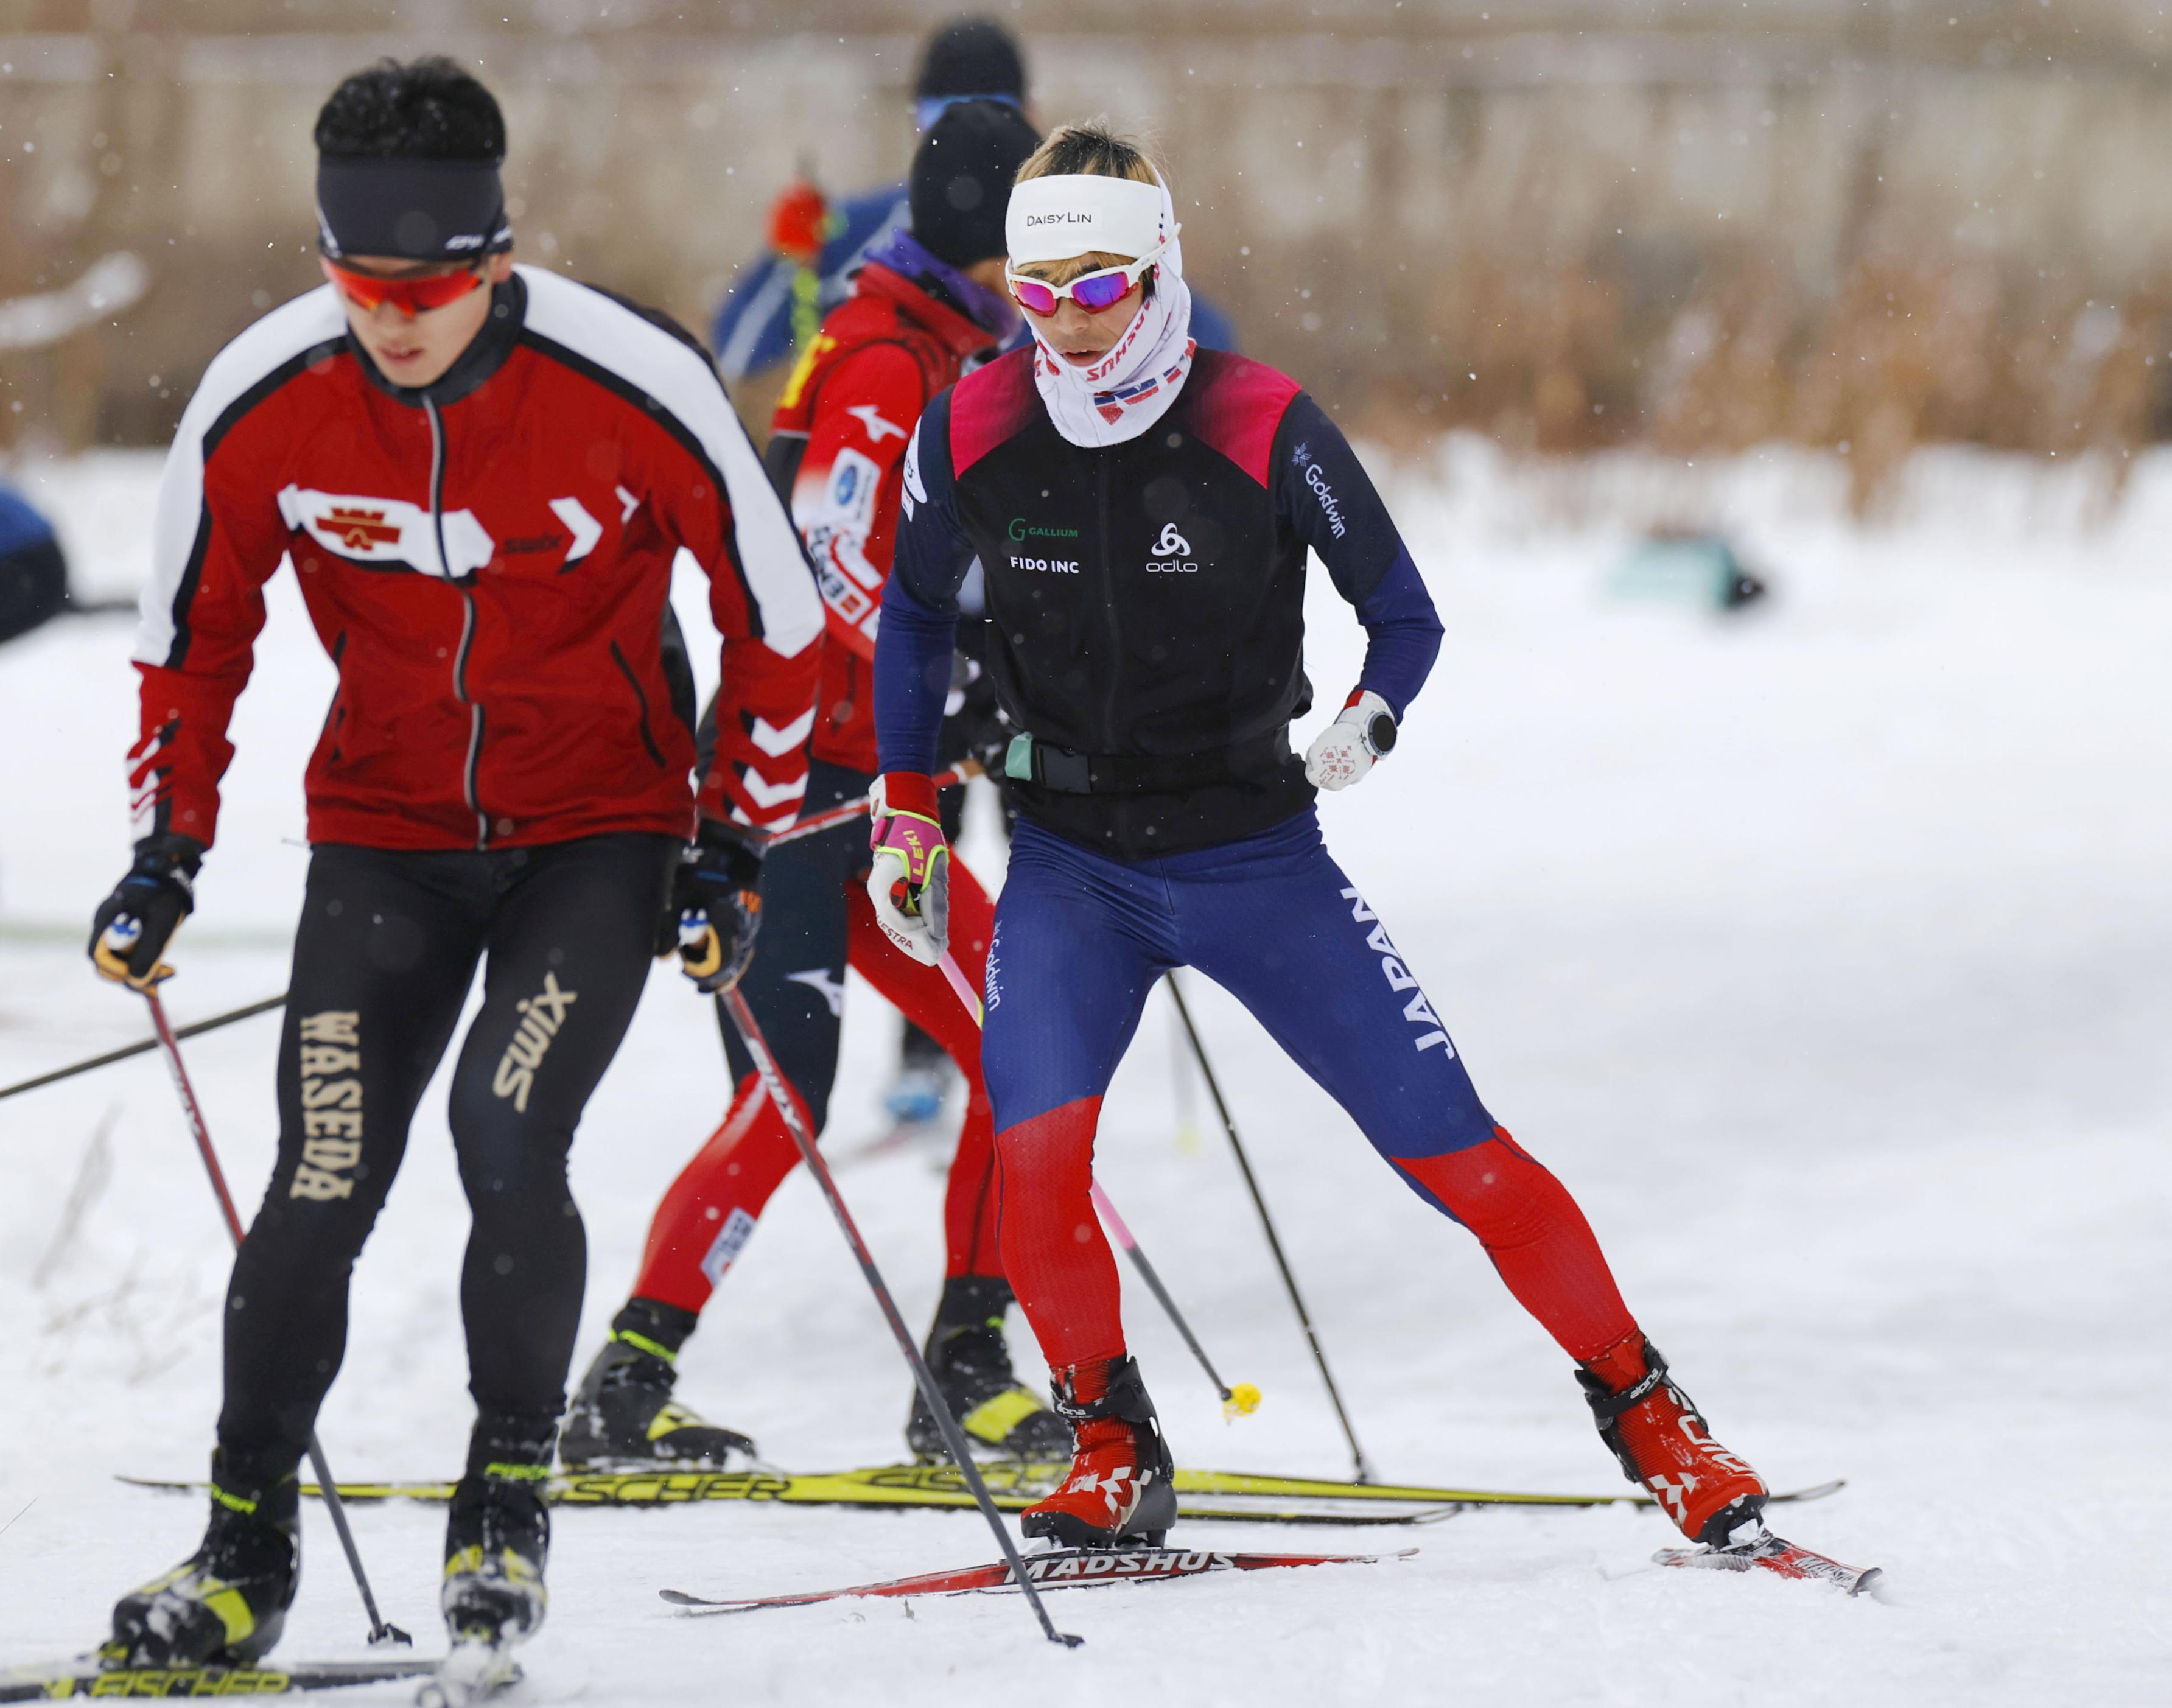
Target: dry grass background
[
  {"x": 1693, "y": 224},
  {"x": 1909, "y": 348}
]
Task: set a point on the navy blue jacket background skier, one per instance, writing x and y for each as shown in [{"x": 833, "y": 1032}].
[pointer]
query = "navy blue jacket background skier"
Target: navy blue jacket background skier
[{"x": 771, "y": 303}]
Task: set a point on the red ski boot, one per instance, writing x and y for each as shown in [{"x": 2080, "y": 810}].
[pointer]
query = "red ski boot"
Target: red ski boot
[
  {"x": 1120, "y": 1489},
  {"x": 1662, "y": 1441}
]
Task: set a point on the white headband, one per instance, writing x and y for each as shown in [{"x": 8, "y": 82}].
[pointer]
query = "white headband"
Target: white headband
[{"x": 1067, "y": 214}]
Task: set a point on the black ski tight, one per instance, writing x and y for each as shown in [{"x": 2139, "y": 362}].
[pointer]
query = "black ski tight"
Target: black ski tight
[{"x": 383, "y": 956}]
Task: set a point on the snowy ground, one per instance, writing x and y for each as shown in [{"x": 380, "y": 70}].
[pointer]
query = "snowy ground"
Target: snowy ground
[{"x": 1822, "y": 951}]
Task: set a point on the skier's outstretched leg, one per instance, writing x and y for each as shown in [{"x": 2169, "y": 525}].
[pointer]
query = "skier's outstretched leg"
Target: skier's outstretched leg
[
  {"x": 1051, "y": 1047},
  {"x": 966, "y": 1349},
  {"x": 1329, "y": 983},
  {"x": 384, "y": 953}
]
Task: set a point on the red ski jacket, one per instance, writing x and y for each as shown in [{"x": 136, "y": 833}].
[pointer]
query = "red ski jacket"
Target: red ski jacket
[
  {"x": 488, "y": 561},
  {"x": 838, "y": 440}
]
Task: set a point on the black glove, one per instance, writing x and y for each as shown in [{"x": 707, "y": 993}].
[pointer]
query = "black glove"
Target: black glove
[
  {"x": 132, "y": 926},
  {"x": 716, "y": 907}
]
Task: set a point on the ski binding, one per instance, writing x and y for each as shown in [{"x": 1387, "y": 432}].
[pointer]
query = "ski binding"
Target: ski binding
[{"x": 1769, "y": 1553}]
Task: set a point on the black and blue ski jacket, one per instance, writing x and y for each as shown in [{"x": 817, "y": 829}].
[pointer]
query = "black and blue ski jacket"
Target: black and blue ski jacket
[{"x": 1145, "y": 600}]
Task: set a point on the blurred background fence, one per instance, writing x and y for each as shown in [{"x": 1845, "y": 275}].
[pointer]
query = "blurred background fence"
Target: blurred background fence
[{"x": 1697, "y": 224}]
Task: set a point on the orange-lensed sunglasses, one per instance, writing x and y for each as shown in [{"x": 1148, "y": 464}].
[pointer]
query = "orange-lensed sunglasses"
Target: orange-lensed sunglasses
[{"x": 410, "y": 297}]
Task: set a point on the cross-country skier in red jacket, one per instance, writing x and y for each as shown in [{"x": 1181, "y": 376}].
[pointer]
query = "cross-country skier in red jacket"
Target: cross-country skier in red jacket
[
  {"x": 925, "y": 304},
  {"x": 481, "y": 475}
]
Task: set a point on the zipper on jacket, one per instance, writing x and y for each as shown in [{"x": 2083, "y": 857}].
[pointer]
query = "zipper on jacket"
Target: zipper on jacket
[
  {"x": 1112, "y": 741},
  {"x": 467, "y": 626},
  {"x": 474, "y": 718},
  {"x": 641, "y": 700}
]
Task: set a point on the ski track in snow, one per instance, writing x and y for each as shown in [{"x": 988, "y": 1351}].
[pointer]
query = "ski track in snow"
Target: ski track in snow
[{"x": 1820, "y": 950}]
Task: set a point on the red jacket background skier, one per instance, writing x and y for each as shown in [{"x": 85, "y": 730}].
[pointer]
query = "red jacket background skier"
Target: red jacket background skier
[
  {"x": 890, "y": 348},
  {"x": 917, "y": 317}
]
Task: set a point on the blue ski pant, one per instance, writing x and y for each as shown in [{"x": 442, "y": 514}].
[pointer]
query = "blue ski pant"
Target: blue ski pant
[{"x": 1079, "y": 940}]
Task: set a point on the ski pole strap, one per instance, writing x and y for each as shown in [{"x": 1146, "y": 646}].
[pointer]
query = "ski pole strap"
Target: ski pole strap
[{"x": 1028, "y": 759}]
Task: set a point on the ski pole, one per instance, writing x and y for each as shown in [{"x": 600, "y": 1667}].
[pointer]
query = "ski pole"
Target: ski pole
[
  {"x": 845, "y": 811},
  {"x": 953, "y": 1437},
  {"x": 1239, "y": 1401},
  {"x": 1267, "y": 1222},
  {"x": 195, "y": 1028},
  {"x": 379, "y": 1630},
  {"x": 813, "y": 825}
]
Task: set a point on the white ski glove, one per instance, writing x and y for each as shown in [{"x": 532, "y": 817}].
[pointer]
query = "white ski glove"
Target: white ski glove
[
  {"x": 909, "y": 881},
  {"x": 1343, "y": 753}
]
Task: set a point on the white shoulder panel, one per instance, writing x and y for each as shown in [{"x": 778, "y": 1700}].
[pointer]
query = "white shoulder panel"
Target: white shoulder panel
[
  {"x": 610, "y": 335},
  {"x": 311, "y": 319}
]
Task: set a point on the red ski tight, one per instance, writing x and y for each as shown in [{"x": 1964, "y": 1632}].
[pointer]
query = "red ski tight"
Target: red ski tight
[
  {"x": 1064, "y": 1273},
  {"x": 1058, "y": 1261},
  {"x": 712, "y": 1207},
  {"x": 1537, "y": 1237}
]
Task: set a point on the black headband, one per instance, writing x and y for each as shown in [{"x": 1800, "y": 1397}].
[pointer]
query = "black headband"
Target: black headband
[{"x": 417, "y": 210}]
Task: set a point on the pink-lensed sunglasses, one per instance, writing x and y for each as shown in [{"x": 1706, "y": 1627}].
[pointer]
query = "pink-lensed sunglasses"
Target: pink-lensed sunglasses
[{"x": 1093, "y": 291}]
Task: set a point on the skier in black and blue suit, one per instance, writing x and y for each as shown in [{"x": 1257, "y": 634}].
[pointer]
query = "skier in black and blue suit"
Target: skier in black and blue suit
[{"x": 1143, "y": 509}]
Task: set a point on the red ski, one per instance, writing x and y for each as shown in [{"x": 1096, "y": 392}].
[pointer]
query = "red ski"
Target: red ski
[
  {"x": 1070, "y": 1568},
  {"x": 1769, "y": 1553}
]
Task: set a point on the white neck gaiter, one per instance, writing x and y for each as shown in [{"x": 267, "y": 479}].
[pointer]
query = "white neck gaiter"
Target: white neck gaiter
[{"x": 1132, "y": 386}]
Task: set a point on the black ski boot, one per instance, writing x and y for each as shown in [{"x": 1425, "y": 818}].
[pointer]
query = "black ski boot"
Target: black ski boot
[
  {"x": 226, "y": 1603},
  {"x": 971, "y": 1364},
  {"x": 497, "y": 1536},
  {"x": 624, "y": 1417},
  {"x": 1119, "y": 1491}
]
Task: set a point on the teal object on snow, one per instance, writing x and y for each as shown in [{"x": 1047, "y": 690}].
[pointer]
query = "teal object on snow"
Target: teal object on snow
[{"x": 1696, "y": 569}]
